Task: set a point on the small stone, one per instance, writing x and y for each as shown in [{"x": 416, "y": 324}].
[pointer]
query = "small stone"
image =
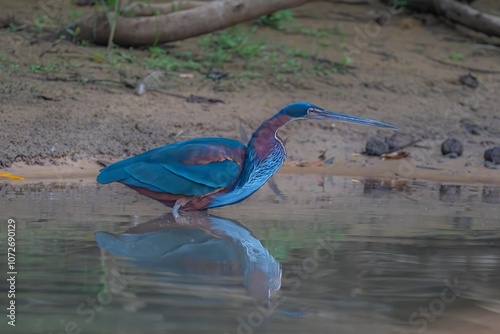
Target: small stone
[
  {"x": 492, "y": 155},
  {"x": 469, "y": 80},
  {"x": 395, "y": 142},
  {"x": 490, "y": 165},
  {"x": 452, "y": 148},
  {"x": 140, "y": 89},
  {"x": 217, "y": 75},
  {"x": 398, "y": 141},
  {"x": 375, "y": 146},
  {"x": 470, "y": 127}
]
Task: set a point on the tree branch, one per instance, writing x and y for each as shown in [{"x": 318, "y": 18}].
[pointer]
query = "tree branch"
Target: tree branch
[
  {"x": 136, "y": 9},
  {"x": 458, "y": 12},
  {"x": 177, "y": 25},
  {"x": 462, "y": 13}
]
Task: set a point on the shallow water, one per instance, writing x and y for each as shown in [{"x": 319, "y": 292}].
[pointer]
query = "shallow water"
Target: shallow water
[{"x": 330, "y": 255}]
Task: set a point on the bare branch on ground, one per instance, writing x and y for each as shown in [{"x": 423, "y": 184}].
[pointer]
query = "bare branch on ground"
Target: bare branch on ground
[{"x": 193, "y": 19}]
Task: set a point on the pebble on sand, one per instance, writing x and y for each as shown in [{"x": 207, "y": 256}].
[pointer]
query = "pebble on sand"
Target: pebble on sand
[
  {"x": 396, "y": 141},
  {"x": 375, "y": 146},
  {"x": 469, "y": 80},
  {"x": 452, "y": 148},
  {"x": 493, "y": 155}
]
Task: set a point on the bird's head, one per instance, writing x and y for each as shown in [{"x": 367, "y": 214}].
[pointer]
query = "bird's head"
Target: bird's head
[{"x": 306, "y": 110}]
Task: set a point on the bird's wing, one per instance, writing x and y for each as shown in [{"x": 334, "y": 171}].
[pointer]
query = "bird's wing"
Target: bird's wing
[{"x": 194, "y": 167}]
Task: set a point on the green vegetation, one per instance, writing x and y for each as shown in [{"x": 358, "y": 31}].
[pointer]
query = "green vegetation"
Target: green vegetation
[
  {"x": 232, "y": 41},
  {"x": 10, "y": 65},
  {"x": 243, "y": 51},
  {"x": 41, "y": 22},
  {"x": 12, "y": 27},
  {"x": 75, "y": 15},
  {"x": 277, "y": 20},
  {"x": 457, "y": 56},
  {"x": 42, "y": 69},
  {"x": 229, "y": 44},
  {"x": 346, "y": 60},
  {"x": 232, "y": 46},
  {"x": 73, "y": 33},
  {"x": 159, "y": 59},
  {"x": 6, "y": 63},
  {"x": 246, "y": 52},
  {"x": 170, "y": 63},
  {"x": 3, "y": 60}
]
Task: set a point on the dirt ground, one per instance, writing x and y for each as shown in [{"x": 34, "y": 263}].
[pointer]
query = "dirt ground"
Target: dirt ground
[{"x": 405, "y": 73}]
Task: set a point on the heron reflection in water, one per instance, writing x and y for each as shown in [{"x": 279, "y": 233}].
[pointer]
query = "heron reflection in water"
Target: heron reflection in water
[{"x": 201, "y": 244}]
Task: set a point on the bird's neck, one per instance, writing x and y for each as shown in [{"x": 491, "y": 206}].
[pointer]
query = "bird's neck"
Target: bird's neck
[
  {"x": 265, "y": 154},
  {"x": 266, "y": 137}
]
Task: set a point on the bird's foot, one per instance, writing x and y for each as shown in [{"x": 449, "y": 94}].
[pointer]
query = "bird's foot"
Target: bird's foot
[
  {"x": 178, "y": 204},
  {"x": 183, "y": 217},
  {"x": 175, "y": 211}
]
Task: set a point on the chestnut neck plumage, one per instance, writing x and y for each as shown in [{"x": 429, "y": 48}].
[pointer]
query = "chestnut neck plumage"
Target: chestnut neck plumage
[
  {"x": 265, "y": 154},
  {"x": 265, "y": 137}
]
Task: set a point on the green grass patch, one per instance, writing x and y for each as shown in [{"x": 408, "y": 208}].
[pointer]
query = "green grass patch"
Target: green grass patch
[
  {"x": 42, "y": 69},
  {"x": 278, "y": 20},
  {"x": 457, "y": 56},
  {"x": 229, "y": 43},
  {"x": 6, "y": 61},
  {"x": 169, "y": 63}
]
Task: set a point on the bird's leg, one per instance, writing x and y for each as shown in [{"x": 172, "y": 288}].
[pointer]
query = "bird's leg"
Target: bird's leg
[
  {"x": 178, "y": 204},
  {"x": 175, "y": 211}
]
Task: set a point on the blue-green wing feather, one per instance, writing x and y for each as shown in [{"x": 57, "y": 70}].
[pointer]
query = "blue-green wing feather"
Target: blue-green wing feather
[
  {"x": 192, "y": 168},
  {"x": 218, "y": 174},
  {"x": 158, "y": 177}
]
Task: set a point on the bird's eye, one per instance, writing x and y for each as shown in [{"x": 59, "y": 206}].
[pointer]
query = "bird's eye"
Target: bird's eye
[{"x": 310, "y": 110}]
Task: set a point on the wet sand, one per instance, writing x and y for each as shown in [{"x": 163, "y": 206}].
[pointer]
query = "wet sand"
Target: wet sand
[{"x": 448, "y": 172}]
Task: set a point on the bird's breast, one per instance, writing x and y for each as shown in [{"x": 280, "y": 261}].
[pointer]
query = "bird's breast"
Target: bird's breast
[
  {"x": 262, "y": 170},
  {"x": 256, "y": 171}
]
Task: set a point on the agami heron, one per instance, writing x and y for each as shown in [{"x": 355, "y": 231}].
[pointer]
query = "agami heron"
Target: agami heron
[{"x": 206, "y": 173}]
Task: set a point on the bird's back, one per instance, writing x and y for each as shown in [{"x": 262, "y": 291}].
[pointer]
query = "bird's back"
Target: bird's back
[{"x": 189, "y": 168}]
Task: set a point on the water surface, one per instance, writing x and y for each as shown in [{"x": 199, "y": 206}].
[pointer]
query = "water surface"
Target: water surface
[{"x": 330, "y": 254}]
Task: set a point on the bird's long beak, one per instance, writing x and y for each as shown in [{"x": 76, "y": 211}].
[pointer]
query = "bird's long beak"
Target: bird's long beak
[{"x": 318, "y": 113}]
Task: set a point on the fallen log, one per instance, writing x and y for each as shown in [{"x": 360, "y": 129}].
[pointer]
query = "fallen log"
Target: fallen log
[
  {"x": 136, "y": 9},
  {"x": 458, "y": 12},
  {"x": 194, "y": 20},
  {"x": 469, "y": 17}
]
